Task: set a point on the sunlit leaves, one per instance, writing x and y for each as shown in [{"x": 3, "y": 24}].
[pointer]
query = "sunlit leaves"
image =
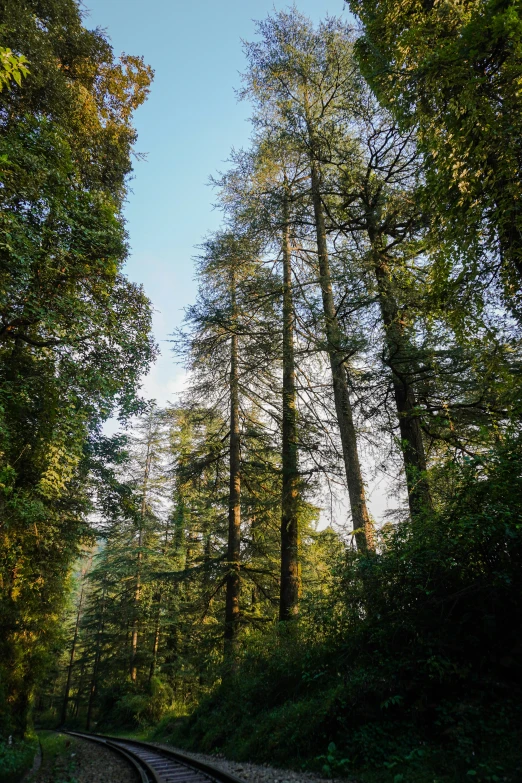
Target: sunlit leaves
[{"x": 12, "y": 67}]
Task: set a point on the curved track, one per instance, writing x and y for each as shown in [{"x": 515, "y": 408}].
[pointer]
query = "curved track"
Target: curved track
[{"x": 160, "y": 765}]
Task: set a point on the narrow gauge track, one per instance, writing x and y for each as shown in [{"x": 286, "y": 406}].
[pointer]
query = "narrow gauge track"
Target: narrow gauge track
[{"x": 160, "y": 765}]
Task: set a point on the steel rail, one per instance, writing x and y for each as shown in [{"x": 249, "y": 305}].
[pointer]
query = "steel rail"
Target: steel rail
[
  {"x": 145, "y": 775},
  {"x": 159, "y": 764}
]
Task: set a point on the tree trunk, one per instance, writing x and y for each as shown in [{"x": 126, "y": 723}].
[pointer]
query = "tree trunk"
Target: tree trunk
[
  {"x": 133, "y": 669},
  {"x": 137, "y": 591},
  {"x": 79, "y": 690},
  {"x": 234, "y": 509},
  {"x": 157, "y": 624},
  {"x": 399, "y": 361},
  {"x": 363, "y": 528},
  {"x": 71, "y": 661},
  {"x": 92, "y": 692},
  {"x": 155, "y": 644},
  {"x": 97, "y": 657},
  {"x": 289, "y": 595}
]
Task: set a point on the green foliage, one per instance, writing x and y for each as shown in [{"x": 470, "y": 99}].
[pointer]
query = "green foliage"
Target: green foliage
[
  {"x": 166, "y": 532},
  {"x": 74, "y": 333},
  {"x": 333, "y": 765},
  {"x": 131, "y": 707},
  {"x": 12, "y": 67},
  {"x": 58, "y": 757},
  {"x": 401, "y": 253},
  {"x": 452, "y": 71},
  {"x": 15, "y": 759},
  {"x": 424, "y": 680}
]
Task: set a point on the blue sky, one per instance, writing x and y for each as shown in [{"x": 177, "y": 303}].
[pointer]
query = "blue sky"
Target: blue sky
[{"x": 187, "y": 128}]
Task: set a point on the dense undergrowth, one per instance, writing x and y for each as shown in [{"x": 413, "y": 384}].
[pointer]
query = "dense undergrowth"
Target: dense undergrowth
[
  {"x": 16, "y": 758},
  {"x": 425, "y": 685}
]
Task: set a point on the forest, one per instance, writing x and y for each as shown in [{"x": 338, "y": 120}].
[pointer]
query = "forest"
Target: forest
[{"x": 211, "y": 574}]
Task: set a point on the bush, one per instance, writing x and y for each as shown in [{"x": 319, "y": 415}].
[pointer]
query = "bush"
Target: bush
[
  {"x": 159, "y": 701},
  {"x": 420, "y": 666},
  {"x": 15, "y": 759},
  {"x": 130, "y": 706}
]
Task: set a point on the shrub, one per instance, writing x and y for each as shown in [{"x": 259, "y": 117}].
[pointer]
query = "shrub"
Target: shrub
[
  {"x": 15, "y": 759},
  {"x": 420, "y": 665}
]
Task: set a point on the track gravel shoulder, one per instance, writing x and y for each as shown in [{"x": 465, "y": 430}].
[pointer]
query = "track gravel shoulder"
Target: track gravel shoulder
[
  {"x": 255, "y": 773},
  {"x": 84, "y": 762}
]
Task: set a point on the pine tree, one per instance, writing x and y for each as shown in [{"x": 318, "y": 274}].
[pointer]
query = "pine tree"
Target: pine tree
[{"x": 306, "y": 81}]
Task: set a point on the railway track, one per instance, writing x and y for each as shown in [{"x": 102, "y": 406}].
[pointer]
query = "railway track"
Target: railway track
[{"x": 160, "y": 765}]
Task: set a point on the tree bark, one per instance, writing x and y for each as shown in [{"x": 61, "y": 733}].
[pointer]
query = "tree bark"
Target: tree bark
[
  {"x": 155, "y": 644},
  {"x": 289, "y": 593},
  {"x": 137, "y": 591},
  {"x": 234, "y": 508},
  {"x": 363, "y": 528},
  {"x": 97, "y": 658},
  {"x": 71, "y": 661},
  {"x": 79, "y": 690},
  {"x": 92, "y": 691},
  {"x": 157, "y": 623},
  {"x": 399, "y": 361}
]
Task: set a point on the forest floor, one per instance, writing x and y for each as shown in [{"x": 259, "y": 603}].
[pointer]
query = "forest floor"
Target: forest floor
[{"x": 67, "y": 759}]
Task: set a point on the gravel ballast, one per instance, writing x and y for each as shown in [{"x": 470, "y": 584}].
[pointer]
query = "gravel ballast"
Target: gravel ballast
[
  {"x": 255, "y": 773},
  {"x": 84, "y": 762}
]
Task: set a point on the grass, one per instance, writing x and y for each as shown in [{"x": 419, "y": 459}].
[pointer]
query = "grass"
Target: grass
[{"x": 57, "y": 763}]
